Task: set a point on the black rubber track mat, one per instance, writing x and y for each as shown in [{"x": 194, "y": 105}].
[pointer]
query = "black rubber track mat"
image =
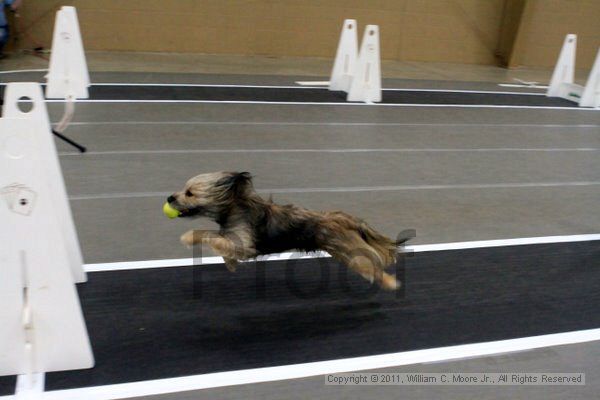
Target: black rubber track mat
[
  {"x": 170, "y": 322},
  {"x": 309, "y": 95},
  {"x": 313, "y": 95}
]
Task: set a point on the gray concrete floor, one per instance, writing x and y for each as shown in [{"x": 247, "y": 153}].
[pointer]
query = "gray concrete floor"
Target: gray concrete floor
[{"x": 113, "y": 226}]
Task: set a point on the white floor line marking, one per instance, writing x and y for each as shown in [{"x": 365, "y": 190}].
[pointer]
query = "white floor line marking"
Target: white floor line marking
[
  {"x": 520, "y": 85},
  {"x": 299, "y": 123},
  {"x": 15, "y": 71},
  {"x": 465, "y": 91},
  {"x": 316, "y": 85},
  {"x": 181, "y": 262},
  {"x": 251, "y": 151},
  {"x": 505, "y": 242},
  {"x": 134, "y": 195},
  {"x": 326, "y": 83},
  {"x": 296, "y": 371},
  {"x": 309, "y": 85},
  {"x": 312, "y": 83},
  {"x": 103, "y": 196},
  {"x": 308, "y": 103},
  {"x": 208, "y": 85},
  {"x": 430, "y": 187}
]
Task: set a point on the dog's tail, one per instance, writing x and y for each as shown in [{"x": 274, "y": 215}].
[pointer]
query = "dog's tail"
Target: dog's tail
[
  {"x": 386, "y": 248},
  {"x": 405, "y": 236}
]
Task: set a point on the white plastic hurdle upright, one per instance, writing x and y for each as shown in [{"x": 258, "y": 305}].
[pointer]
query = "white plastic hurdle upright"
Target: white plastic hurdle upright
[
  {"x": 366, "y": 83},
  {"x": 354, "y": 72},
  {"x": 68, "y": 77},
  {"x": 562, "y": 83},
  {"x": 591, "y": 93},
  {"x": 345, "y": 58},
  {"x": 68, "y": 74},
  {"x": 41, "y": 324}
]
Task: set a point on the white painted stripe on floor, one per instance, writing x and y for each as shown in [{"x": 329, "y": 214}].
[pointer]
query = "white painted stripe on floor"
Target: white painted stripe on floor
[
  {"x": 504, "y": 242},
  {"x": 310, "y": 85},
  {"x": 209, "y": 85},
  {"x": 251, "y": 151},
  {"x": 307, "y": 85},
  {"x": 297, "y": 371},
  {"x": 300, "y": 123},
  {"x": 16, "y": 71},
  {"x": 308, "y": 103},
  {"x": 465, "y": 91},
  {"x": 182, "y": 262},
  {"x": 429, "y": 187},
  {"x": 129, "y": 265},
  {"x": 133, "y": 195},
  {"x": 352, "y": 189},
  {"x": 148, "y": 264},
  {"x": 521, "y": 85}
]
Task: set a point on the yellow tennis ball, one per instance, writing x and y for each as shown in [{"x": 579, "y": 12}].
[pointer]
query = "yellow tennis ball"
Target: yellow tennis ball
[{"x": 170, "y": 211}]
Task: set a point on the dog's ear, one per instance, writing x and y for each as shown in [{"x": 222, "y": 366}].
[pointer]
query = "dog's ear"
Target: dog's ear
[
  {"x": 246, "y": 177},
  {"x": 242, "y": 182},
  {"x": 237, "y": 182}
]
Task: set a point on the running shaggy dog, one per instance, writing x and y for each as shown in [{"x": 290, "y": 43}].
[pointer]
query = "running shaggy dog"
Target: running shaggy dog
[{"x": 251, "y": 226}]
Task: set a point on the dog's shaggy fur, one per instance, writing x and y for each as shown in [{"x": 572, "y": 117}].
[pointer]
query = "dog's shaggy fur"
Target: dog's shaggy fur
[{"x": 251, "y": 226}]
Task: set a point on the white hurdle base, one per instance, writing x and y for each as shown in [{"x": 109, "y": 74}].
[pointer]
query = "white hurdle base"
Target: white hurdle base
[
  {"x": 562, "y": 82},
  {"x": 30, "y": 387}
]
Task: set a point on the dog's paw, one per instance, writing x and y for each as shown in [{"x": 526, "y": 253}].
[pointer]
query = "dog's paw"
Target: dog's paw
[
  {"x": 389, "y": 282},
  {"x": 187, "y": 239},
  {"x": 231, "y": 264}
]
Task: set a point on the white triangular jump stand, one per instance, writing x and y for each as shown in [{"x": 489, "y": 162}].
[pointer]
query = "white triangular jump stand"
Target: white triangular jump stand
[
  {"x": 68, "y": 78},
  {"x": 591, "y": 93},
  {"x": 68, "y": 75},
  {"x": 562, "y": 83},
  {"x": 41, "y": 324},
  {"x": 345, "y": 58},
  {"x": 366, "y": 83},
  {"x": 564, "y": 71}
]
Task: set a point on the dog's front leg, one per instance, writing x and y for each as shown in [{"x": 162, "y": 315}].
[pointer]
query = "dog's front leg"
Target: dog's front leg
[
  {"x": 231, "y": 263},
  {"x": 192, "y": 238},
  {"x": 229, "y": 250},
  {"x": 221, "y": 245}
]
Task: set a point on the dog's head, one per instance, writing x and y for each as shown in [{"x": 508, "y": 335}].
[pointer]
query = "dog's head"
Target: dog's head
[{"x": 211, "y": 194}]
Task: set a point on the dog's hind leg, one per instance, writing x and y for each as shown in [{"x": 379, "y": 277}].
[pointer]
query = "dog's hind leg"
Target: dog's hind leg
[{"x": 368, "y": 268}]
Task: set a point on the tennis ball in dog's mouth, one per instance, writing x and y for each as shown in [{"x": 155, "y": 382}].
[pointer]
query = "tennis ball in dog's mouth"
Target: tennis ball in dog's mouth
[{"x": 170, "y": 211}]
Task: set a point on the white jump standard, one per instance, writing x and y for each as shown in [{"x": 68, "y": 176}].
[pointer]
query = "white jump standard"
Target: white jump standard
[
  {"x": 68, "y": 77},
  {"x": 42, "y": 327},
  {"x": 354, "y": 72},
  {"x": 562, "y": 83},
  {"x": 366, "y": 83},
  {"x": 345, "y": 58}
]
